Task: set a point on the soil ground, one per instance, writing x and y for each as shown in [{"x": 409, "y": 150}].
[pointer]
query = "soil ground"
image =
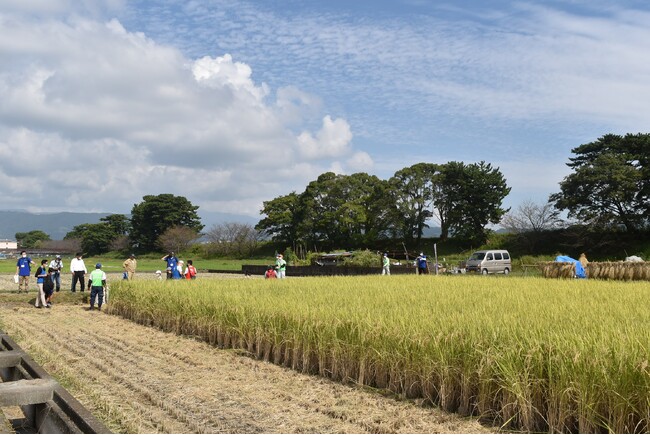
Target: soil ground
[{"x": 137, "y": 379}]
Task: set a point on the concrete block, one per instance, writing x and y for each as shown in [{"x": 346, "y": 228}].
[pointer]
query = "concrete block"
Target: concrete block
[
  {"x": 10, "y": 358},
  {"x": 26, "y": 392}
]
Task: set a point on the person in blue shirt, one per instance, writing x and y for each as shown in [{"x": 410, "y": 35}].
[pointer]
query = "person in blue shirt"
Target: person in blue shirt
[
  {"x": 41, "y": 274},
  {"x": 423, "y": 266},
  {"x": 24, "y": 270},
  {"x": 172, "y": 263},
  {"x": 177, "y": 272}
]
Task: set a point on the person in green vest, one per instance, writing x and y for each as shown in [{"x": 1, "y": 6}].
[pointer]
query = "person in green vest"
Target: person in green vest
[
  {"x": 385, "y": 265},
  {"x": 97, "y": 284},
  {"x": 280, "y": 266}
]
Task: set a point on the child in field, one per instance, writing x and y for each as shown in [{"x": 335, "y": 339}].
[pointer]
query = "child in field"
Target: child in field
[
  {"x": 270, "y": 273},
  {"x": 177, "y": 272},
  {"x": 190, "y": 271}
]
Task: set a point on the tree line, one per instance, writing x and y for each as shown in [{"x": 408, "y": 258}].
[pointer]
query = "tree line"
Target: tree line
[
  {"x": 608, "y": 190},
  {"x": 354, "y": 210}
]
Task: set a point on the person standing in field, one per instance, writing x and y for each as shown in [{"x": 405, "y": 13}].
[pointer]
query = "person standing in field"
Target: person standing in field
[
  {"x": 172, "y": 262},
  {"x": 584, "y": 262},
  {"x": 190, "y": 271},
  {"x": 177, "y": 272},
  {"x": 129, "y": 265},
  {"x": 24, "y": 270},
  {"x": 48, "y": 286},
  {"x": 423, "y": 265},
  {"x": 41, "y": 273},
  {"x": 57, "y": 266},
  {"x": 97, "y": 284},
  {"x": 385, "y": 265},
  {"x": 280, "y": 266},
  {"x": 79, "y": 271}
]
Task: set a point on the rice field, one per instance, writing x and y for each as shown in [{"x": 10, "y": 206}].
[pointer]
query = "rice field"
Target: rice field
[{"x": 530, "y": 354}]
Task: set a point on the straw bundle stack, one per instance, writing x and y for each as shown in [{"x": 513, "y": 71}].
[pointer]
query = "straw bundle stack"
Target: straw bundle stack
[
  {"x": 617, "y": 270},
  {"x": 620, "y": 270},
  {"x": 554, "y": 269}
]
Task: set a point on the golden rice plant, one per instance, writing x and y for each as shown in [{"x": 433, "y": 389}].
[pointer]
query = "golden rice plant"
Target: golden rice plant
[{"x": 529, "y": 353}]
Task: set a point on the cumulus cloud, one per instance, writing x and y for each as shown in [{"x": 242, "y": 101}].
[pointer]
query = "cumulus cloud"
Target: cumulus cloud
[
  {"x": 103, "y": 116},
  {"x": 295, "y": 106},
  {"x": 360, "y": 162},
  {"x": 219, "y": 72},
  {"x": 332, "y": 140}
]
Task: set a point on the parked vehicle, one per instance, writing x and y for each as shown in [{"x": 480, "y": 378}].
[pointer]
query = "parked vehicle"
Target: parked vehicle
[{"x": 490, "y": 261}]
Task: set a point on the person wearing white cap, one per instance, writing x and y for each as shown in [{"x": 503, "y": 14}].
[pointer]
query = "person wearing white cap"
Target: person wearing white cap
[
  {"x": 280, "y": 266},
  {"x": 57, "y": 266},
  {"x": 422, "y": 263}
]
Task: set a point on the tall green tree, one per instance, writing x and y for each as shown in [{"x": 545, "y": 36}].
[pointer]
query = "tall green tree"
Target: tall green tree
[
  {"x": 476, "y": 193},
  {"x": 93, "y": 239},
  {"x": 280, "y": 222},
  {"x": 317, "y": 210},
  {"x": 412, "y": 193},
  {"x": 32, "y": 239},
  {"x": 156, "y": 214},
  {"x": 77, "y": 232},
  {"x": 343, "y": 210},
  {"x": 97, "y": 238},
  {"x": 119, "y": 224},
  {"x": 610, "y": 183},
  {"x": 369, "y": 195},
  {"x": 445, "y": 195}
]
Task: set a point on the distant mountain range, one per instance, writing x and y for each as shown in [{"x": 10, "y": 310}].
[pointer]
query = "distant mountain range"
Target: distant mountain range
[{"x": 57, "y": 225}]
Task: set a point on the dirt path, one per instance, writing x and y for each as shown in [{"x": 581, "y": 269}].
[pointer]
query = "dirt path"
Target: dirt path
[{"x": 141, "y": 380}]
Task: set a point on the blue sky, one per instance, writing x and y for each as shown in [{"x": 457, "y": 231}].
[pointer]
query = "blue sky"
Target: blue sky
[{"x": 231, "y": 103}]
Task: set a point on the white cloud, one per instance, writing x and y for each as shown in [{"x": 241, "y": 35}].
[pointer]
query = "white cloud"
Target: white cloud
[
  {"x": 462, "y": 84},
  {"x": 219, "y": 72},
  {"x": 332, "y": 140},
  {"x": 295, "y": 106},
  {"x": 103, "y": 116},
  {"x": 360, "y": 162}
]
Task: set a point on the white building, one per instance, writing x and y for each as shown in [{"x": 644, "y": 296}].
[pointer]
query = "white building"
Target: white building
[{"x": 8, "y": 245}]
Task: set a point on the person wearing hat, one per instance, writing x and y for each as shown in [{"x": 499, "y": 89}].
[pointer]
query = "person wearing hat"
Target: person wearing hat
[
  {"x": 57, "y": 266},
  {"x": 280, "y": 266},
  {"x": 385, "y": 264},
  {"x": 97, "y": 284},
  {"x": 422, "y": 263},
  {"x": 129, "y": 266},
  {"x": 172, "y": 262}
]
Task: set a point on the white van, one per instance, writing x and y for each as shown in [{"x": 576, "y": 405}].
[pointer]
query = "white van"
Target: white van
[{"x": 490, "y": 261}]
